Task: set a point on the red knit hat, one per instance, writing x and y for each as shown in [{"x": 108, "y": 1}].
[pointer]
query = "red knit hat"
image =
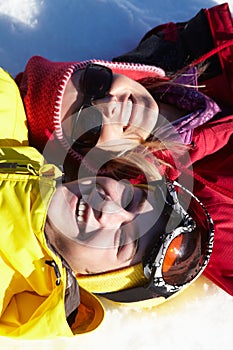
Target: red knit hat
[{"x": 42, "y": 86}]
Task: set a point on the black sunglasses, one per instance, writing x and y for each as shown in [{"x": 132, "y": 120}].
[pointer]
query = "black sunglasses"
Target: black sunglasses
[{"x": 95, "y": 84}]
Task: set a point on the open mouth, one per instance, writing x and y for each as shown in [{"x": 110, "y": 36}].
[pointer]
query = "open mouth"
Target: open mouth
[{"x": 81, "y": 215}]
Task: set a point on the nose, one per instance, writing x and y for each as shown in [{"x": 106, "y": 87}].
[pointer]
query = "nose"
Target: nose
[
  {"x": 115, "y": 117},
  {"x": 107, "y": 105},
  {"x": 113, "y": 215},
  {"x": 111, "y": 124}
]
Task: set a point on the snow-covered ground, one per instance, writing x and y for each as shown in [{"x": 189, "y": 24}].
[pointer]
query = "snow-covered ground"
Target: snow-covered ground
[{"x": 201, "y": 317}]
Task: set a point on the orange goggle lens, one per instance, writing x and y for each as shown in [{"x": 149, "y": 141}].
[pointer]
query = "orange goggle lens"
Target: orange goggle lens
[{"x": 184, "y": 258}]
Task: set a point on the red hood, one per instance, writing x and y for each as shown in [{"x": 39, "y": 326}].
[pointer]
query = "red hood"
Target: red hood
[{"x": 42, "y": 86}]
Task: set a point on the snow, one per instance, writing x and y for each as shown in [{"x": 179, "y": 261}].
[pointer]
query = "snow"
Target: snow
[
  {"x": 77, "y": 30},
  {"x": 66, "y": 30}
]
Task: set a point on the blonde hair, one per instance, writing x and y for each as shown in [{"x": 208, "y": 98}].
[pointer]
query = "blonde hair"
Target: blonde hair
[{"x": 146, "y": 160}]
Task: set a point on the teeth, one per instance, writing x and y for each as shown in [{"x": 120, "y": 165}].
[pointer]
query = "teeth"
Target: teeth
[
  {"x": 81, "y": 210},
  {"x": 81, "y": 207},
  {"x": 127, "y": 113}
]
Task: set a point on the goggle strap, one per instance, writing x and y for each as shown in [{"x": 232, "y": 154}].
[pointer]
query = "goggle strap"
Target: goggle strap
[{"x": 134, "y": 294}]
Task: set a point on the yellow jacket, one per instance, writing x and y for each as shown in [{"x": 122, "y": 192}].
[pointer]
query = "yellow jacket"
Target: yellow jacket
[
  {"x": 13, "y": 122},
  {"x": 31, "y": 302}
]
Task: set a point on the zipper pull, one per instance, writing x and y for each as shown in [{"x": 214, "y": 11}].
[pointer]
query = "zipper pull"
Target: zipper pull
[{"x": 53, "y": 264}]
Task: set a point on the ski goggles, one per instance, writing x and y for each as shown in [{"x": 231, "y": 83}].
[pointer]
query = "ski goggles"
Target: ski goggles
[
  {"x": 179, "y": 255},
  {"x": 95, "y": 84}
]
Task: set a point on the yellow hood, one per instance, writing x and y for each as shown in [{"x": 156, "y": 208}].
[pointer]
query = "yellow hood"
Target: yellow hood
[
  {"x": 31, "y": 304},
  {"x": 13, "y": 131}
]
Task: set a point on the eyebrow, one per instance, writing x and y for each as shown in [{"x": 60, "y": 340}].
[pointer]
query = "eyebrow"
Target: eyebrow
[
  {"x": 146, "y": 190},
  {"x": 134, "y": 227},
  {"x": 142, "y": 199},
  {"x": 135, "y": 243},
  {"x": 136, "y": 248}
]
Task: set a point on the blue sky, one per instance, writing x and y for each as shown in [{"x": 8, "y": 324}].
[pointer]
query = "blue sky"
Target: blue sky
[{"x": 77, "y": 30}]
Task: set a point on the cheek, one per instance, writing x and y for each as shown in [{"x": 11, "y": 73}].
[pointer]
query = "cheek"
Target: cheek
[
  {"x": 82, "y": 258},
  {"x": 86, "y": 260},
  {"x": 61, "y": 212}
]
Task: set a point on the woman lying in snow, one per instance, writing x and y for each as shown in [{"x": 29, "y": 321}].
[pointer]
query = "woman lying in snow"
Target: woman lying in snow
[{"x": 149, "y": 256}]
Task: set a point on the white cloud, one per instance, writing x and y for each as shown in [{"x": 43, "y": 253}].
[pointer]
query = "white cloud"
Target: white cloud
[{"x": 23, "y": 11}]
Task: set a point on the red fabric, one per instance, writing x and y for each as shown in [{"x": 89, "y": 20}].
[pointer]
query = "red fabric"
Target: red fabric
[
  {"x": 220, "y": 22},
  {"x": 213, "y": 172},
  {"x": 169, "y": 30},
  {"x": 212, "y": 156},
  {"x": 40, "y": 86}
]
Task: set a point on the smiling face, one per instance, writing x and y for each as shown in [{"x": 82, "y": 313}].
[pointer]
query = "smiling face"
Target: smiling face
[
  {"x": 100, "y": 224},
  {"x": 128, "y": 112}
]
